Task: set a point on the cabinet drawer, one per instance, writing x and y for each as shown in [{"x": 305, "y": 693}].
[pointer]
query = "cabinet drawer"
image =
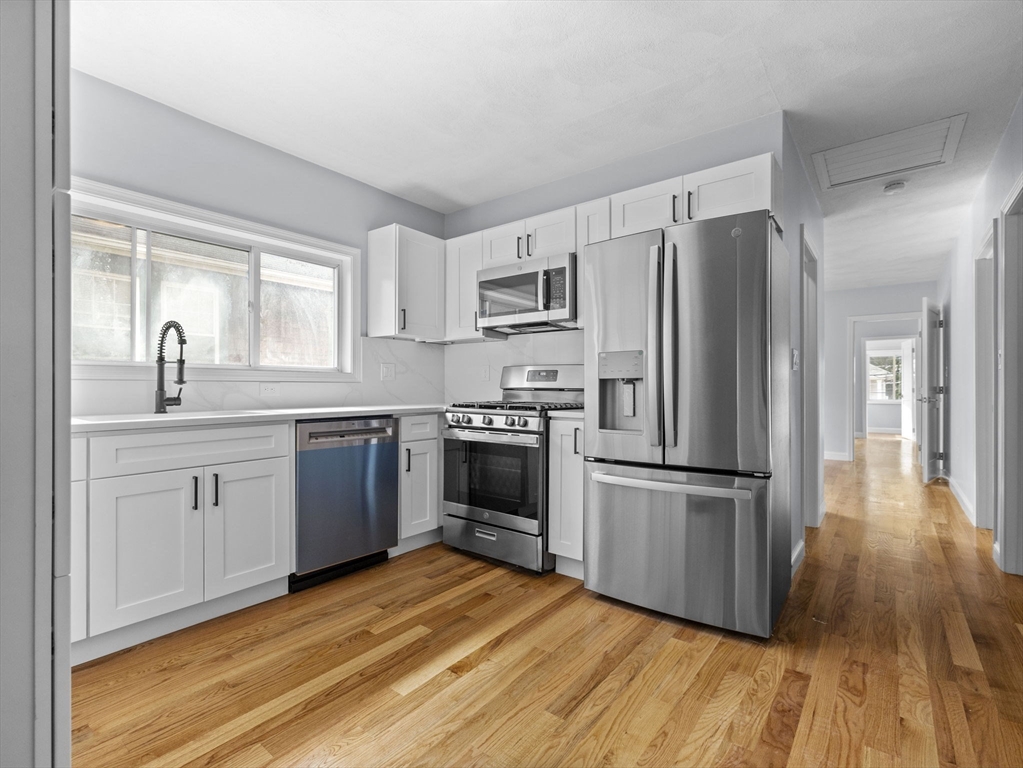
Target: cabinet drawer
[
  {"x": 159, "y": 451},
  {"x": 423, "y": 427}
]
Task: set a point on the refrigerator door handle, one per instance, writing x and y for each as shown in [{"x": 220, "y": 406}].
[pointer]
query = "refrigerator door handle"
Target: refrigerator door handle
[
  {"x": 740, "y": 494},
  {"x": 653, "y": 347},
  {"x": 668, "y": 334}
]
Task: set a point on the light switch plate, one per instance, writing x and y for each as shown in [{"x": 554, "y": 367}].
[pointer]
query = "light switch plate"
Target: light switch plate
[
  {"x": 386, "y": 371},
  {"x": 270, "y": 389}
]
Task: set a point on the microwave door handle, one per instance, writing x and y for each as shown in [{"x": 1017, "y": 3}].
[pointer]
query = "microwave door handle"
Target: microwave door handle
[
  {"x": 546, "y": 287},
  {"x": 653, "y": 348},
  {"x": 669, "y": 363}
]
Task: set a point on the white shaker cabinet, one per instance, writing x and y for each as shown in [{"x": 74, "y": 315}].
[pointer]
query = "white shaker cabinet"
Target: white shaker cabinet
[
  {"x": 419, "y": 474},
  {"x": 145, "y": 546},
  {"x": 464, "y": 260},
  {"x": 550, "y": 234},
  {"x": 246, "y": 522},
  {"x": 751, "y": 184},
  {"x": 565, "y": 494},
  {"x": 652, "y": 206},
  {"x": 592, "y": 225},
  {"x": 504, "y": 244},
  {"x": 405, "y": 284}
]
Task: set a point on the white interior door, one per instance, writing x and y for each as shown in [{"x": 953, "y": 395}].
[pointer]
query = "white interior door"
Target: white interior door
[
  {"x": 930, "y": 381},
  {"x": 908, "y": 391}
]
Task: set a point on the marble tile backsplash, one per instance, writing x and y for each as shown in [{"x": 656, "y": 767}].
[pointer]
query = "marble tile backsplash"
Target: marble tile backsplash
[
  {"x": 423, "y": 374},
  {"x": 464, "y": 364},
  {"x": 418, "y": 379}
]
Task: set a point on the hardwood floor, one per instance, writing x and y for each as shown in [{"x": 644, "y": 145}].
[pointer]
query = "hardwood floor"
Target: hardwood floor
[{"x": 901, "y": 645}]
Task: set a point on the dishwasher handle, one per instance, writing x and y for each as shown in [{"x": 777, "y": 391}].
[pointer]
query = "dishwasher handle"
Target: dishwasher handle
[{"x": 314, "y": 435}]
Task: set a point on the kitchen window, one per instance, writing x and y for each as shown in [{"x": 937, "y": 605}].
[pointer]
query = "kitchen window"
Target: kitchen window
[{"x": 253, "y": 300}]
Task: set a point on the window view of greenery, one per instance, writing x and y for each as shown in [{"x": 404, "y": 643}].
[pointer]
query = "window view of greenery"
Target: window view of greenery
[
  {"x": 204, "y": 287},
  {"x": 885, "y": 377},
  {"x": 100, "y": 290},
  {"x": 296, "y": 313},
  {"x": 207, "y": 288}
]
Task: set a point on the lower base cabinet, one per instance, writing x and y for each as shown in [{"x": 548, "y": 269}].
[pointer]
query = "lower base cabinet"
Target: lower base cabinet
[
  {"x": 162, "y": 541},
  {"x": 565, "y": 494},
  {"x": 420, "y": 487}
]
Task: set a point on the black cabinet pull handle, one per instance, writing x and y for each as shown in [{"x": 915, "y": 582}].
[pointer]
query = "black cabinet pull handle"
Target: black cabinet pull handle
[
  {"x": 518, "y": 247},
  {"x": 529, "y": 252},
  {"x": 408, "y": 459},
  {"x": 216, "y": 489},
  {"x": 476, "y": 320},
  {"x": 575, "y": 441},
  {"x": 195, "y": 492},
  {"x": 689, "y": 205},
  {"x": 403, "y": 320},
  {"x": 674, "y": 217}
]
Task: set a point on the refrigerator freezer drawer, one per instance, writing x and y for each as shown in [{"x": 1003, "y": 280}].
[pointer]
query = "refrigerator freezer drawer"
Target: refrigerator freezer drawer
[{"x": 693, "y": 546}]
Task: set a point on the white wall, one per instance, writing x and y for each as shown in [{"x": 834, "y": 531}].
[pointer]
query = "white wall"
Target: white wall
[
  {"x": 838, "y": 357},
  {"x": 957, "y": 295},
  {"x": 124, "y": 139},
  {"x": 884, "y": 417}
]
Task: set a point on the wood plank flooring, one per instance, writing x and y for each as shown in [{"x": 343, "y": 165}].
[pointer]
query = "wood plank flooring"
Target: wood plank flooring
[{"x": 901, "y": 644}]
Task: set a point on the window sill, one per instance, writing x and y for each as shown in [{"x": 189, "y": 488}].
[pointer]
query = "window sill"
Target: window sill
[
  {"x": 884, "y": 402},
  {"x": 147, "y": 372}
]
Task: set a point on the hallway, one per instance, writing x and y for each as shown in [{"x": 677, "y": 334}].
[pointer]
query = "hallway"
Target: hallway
[{"x": 932, "y": 629}]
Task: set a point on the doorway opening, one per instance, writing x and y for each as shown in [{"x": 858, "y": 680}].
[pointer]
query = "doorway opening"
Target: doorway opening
[
  {"x": 813, "y": 459},
  {"x": 889, "y": 366}
]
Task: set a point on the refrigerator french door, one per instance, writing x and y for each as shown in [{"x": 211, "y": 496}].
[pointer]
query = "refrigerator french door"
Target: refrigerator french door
[{"x": 687, "y": 377}]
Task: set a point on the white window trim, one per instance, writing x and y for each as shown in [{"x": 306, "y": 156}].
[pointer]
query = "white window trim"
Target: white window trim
[{"x": 96, "y": 200}]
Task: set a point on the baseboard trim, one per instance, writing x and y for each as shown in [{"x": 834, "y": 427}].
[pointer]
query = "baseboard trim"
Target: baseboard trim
[
  {"x": 118, "y": 639},
  {"x": 823, "y": 511},
  {"x": 964, "y": 503},
  {"x": 836, "y": 456},
  {"x": 797, "y": 557},
  {"x": 566, "y": 566},
  {"x": 886, "y": 430},
  {"x": 859, "y": 434}
]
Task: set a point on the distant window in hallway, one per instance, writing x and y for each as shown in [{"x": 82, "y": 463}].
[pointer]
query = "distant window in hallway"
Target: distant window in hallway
[{"x": 885, "y": 376}]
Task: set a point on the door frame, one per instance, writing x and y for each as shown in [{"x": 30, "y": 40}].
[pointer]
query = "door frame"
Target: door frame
[
  {"x": 1007, "y": 544},
  {"x": 986, "y": 378},
  {"x": 863, "y": 362},
  {"x": 852, "y": 356},
  {"x": 810, "y": 380}
]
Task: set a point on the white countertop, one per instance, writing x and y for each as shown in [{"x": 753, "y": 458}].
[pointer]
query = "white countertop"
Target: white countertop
[
  {"x": 568, "y": 415},
  {"x": 109, "y": 422}
]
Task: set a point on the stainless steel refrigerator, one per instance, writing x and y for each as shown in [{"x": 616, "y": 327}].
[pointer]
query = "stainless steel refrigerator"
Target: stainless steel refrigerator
[{"x": 687, "y": 421}]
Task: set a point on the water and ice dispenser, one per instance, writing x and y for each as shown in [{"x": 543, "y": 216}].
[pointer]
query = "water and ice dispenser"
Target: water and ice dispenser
[{"x": 623, "y": 395}]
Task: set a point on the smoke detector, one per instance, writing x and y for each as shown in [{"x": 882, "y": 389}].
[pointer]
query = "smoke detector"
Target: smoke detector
[
  {"x": 894, "y": 187},
  {"x": 925, "y": 146}
]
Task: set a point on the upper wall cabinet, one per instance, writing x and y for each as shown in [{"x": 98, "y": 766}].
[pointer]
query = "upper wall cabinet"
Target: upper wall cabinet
[
  {"x": 464, "y": 260},
  {"x": 504, "y": 244},
  {"x": 537, "y": 237},
  {"x": 650, "y": 207},
  {"x": 405, "y": 284},
  {"x": 592, "y": 222},
  {"x": 752, "y": 184}
]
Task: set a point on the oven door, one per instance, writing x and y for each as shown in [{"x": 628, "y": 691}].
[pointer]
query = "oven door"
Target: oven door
[
  {"x": 511, "y": 295},
  {"x": 495, "y": 478}
]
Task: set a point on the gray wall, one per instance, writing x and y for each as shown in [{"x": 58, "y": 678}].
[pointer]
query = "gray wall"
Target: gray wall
[
  {"x": 957, "y": 294},
  {"x": 735, "y": 142},
  {"x": 838, "y": 373},
  {"x": 17, "y": 382},
  {"x": 882, "y": 416}
]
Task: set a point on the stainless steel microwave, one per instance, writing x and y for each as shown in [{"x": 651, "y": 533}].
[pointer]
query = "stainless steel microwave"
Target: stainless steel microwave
[{"x": 528, "y": 296}]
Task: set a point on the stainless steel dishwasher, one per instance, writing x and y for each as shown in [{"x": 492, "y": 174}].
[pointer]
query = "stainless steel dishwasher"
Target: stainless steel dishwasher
[{"x": 346, "y": 497}]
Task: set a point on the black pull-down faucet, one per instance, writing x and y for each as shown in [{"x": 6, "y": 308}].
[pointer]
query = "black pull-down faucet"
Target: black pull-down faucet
[{"x": 162, "y": 401}]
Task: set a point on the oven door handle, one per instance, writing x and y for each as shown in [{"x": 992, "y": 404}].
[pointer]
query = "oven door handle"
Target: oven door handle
[{"x": 482, "y": 436}]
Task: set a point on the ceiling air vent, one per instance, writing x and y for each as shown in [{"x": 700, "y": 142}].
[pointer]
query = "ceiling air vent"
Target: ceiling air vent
[{"x": 925, "y": 146}]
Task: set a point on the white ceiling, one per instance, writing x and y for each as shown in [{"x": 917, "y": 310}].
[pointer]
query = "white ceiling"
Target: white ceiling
[{"x": 450, "y": 104}]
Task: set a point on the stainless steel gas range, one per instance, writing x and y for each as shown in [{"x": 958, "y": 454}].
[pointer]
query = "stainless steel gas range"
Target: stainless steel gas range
[{"x": 495, "y": 465}]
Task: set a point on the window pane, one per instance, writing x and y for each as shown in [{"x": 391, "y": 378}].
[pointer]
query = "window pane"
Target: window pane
[
  {"x": 204, "y": 287},
  {"x": 885, "y": 376},
  {"x": 100, "y": 290},
  {"x": 296, "y": 313}
]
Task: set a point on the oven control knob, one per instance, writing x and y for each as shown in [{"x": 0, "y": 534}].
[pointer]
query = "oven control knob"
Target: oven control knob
[
  {"x": 467, "y": 419},
  {"x": 456, "y": 418},
  {"x": 487, "y": 420},
  {"x": 523, "y": 421},
  {"x": 509, "y": 421}
]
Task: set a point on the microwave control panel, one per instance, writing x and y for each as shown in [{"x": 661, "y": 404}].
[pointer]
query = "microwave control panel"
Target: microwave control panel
[{"x": 558, "y": 288}]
